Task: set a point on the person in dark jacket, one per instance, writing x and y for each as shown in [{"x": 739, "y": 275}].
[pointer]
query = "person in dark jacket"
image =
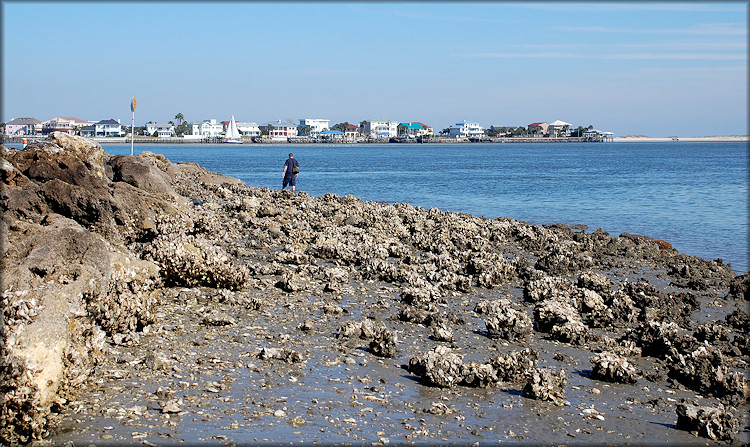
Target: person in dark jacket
[{"x": 291, "y": 171}]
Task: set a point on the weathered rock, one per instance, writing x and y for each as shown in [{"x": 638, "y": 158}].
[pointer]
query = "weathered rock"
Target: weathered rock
[
  {"x": 546, "y": 384},
  {"x": 383, "y": 343},
  {"x": 613, "y": 368},
  {"x": 440, "y": 367},
  {"x": 283, "y": 354},
  {"x": 717, "y": 423},
  {"x": 503, "y": 321}
]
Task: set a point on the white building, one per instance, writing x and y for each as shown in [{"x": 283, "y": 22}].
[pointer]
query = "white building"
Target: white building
[
  {"x": 207, "y": 129},
  {"x": 248, "y": 129},
  {"x": 162, "y": 130},
  {"x": 381, "y": 129},
  {"x": 281, "y": 131},
  {"x": 108, "y": 128},
  {"x": 465, "y": 129},
  {"x": 316, "y": 125},
  {"x": 23, "y": 126},
  {"x": 65, "y": 124},
  {"x": 559, "y": 128}
]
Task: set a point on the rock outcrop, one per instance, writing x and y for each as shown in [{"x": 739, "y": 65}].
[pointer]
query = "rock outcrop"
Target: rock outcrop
[
  {"x": 75, "y": 220},
  {"x": 91, "y": 244}
]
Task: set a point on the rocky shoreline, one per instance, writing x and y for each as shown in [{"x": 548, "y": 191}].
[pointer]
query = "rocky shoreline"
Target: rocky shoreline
[{"x": 152, "y": 302}]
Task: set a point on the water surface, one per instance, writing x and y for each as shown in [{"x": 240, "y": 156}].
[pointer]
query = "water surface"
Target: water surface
[{"x": 692, "y": 194}]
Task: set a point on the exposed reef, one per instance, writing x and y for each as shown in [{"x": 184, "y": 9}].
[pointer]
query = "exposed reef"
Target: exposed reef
[{"x": 95, "y": 245}]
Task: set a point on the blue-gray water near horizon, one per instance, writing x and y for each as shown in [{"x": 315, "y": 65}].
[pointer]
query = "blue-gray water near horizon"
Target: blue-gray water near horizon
[{"x": 691, "y": 194}]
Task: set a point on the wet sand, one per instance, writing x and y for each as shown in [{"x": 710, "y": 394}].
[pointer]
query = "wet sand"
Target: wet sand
[{"x": 340, "y": 392}]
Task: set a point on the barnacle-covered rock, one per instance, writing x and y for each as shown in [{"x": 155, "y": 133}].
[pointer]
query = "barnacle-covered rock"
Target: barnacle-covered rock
[
  {"x": 546, "y": 384},
  {"x": 383, "y": 343},
  {"x": 515, "y": 366},
  {"x": 503, "y": 321},
  {"x": 548, "y": 288},
  {"x": 718, "y": 423},
  {"x": 613, "y": 368},
  {"x": 439, "y": 367},
  {"x": 365, "y": 329},
  {"x": 703, "y": 370},
  {"x": 596, "y": 282},
  {"x": 193, "y": 261},
  {"x": 655, "y": 338},
  {"x": 284, "y": 354},
  {"x": 561, "y": 320}
]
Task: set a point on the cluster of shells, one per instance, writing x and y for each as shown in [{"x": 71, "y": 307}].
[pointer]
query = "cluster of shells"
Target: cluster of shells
[{"x": 209, "y": 231}]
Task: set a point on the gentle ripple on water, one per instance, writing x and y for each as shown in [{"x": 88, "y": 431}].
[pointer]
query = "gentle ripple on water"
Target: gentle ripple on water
[{"x": 692, "y": 194}]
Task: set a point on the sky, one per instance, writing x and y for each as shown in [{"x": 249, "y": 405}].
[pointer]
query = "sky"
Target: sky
[{"x": 651, "y": 68}]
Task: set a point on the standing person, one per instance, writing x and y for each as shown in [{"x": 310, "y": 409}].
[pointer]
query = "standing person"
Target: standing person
[{"x": 291, "y": 171}]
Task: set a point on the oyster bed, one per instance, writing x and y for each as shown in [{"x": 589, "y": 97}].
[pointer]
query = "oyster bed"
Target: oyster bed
[{"x": 158, "y": 303}]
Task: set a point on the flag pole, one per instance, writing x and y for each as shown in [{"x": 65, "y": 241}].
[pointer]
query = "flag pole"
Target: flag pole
[{"x": 132, "y": 122}]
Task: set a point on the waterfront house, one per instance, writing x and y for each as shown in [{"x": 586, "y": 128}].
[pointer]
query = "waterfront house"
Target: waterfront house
[
  {"x": 207, "y": 129},
  {"x": 538, "y": 129},
  {"x": 332, "y": 135},
  {"x": 315, "y": 125},
  {"x": 413, "y": 130},
  {"x": 65, "y": 124},
  {"x": 410, "y": 130},
  {"x": 598, "y": 135},
  {"x": 23, "y": 126},
  {"x": 381, "y": 129},
  {"x": 426, "y": 130},
  {"x": 248, "y": 129},
  {"x": 280, "y": 131},
  {"x": 108, "y": 128},
  {"x": 161, "y": 130},
  {"x": 465, "y": 129},
  {"x": 559, "y": 128},
  {"x": 351, "y": 132},
  {"x": 88, "y": 131}
]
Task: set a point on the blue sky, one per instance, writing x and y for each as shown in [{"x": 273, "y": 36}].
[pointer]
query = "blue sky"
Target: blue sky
[{"x": 654, "y": 68}]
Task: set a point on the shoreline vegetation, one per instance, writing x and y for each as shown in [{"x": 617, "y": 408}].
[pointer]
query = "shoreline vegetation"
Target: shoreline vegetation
[
  {"x": 433, "y": 140},
  {"x": 152, "y": 302}
]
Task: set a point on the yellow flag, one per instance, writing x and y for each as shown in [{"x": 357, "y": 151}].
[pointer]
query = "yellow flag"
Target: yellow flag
[{"x": 132, "y": 105}]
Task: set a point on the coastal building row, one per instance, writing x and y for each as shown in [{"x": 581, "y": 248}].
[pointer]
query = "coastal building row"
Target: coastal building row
[{"x": 277, "y": 130}]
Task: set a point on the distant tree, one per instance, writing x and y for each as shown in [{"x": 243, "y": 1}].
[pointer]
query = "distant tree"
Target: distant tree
[
  {"x": 182, "y": 129},
  {"x": 155, "y": 134},
  {"x": 341, "y": 126},
  {"x": 305, "y": 130},
  {"x": 445, "y": 131},
  {"x": 179, "y": 117}
]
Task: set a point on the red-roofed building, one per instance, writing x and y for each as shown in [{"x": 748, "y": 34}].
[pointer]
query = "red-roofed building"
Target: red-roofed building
[
  {"x": 538, "y": 129},
  {"x": 427, "y": 129}
]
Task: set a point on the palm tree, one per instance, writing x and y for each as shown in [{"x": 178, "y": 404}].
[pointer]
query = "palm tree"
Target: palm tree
[{"x": 179, "y": 117}]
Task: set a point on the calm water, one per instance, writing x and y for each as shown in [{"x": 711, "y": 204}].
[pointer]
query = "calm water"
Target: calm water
[{"x": 692, "y": 194}]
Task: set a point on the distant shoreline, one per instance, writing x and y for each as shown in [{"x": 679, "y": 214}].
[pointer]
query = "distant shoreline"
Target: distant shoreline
[
  {"x": 625, "y": 139},
  {"x": 715, "y": 138}
]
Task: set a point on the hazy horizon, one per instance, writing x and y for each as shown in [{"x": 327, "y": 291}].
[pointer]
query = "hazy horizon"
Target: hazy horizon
[{"x": 654, "y": 69}]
